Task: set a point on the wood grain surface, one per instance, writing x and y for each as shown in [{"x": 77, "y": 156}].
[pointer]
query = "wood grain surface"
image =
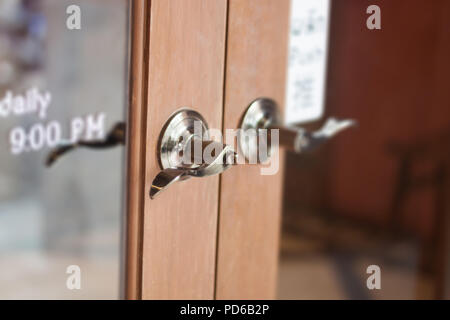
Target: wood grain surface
[
  {"x": 136, "y": 148},
  {"x": 250, "y": 205},
  {"x": 186, "y": 69}
]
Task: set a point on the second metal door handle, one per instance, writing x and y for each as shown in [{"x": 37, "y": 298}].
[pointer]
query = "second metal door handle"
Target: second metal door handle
[{"x": 263, "y": 113}]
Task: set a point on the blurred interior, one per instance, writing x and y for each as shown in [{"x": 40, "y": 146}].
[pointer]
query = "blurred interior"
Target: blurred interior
[{"x": 378, "y": 194}]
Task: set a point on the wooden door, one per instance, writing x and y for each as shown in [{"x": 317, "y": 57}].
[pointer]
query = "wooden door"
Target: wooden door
[
  {"x": 250, "y": 207},
  {"x": 211, "y": 237}
]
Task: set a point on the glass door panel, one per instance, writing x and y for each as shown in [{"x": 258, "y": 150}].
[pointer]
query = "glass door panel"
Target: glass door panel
[{"x": 63, "y": 91}]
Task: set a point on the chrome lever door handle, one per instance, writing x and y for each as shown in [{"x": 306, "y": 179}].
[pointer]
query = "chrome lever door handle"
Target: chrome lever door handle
[
  {"x": 263, "y": 114},
  {"x": 300, "y": 140},
  {"x": 181, "y": 152},
  {"x": 166, "y": 177}
]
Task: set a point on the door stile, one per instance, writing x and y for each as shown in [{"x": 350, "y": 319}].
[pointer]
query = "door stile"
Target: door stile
[
  {"x": 185, "y": 70},
  {"x": 250, "y": 203},
  {"x": 136, "y": 146}
]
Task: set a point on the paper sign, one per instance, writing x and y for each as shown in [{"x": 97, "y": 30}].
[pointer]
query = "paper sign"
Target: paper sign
[{"x": 307, "y": 60}]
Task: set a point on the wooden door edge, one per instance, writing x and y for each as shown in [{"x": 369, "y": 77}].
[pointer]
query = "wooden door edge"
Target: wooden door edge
[{"x": 136, "y": 147}]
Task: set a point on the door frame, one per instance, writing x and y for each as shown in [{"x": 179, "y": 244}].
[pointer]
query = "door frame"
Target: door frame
[{"x": 135, "y": 163}]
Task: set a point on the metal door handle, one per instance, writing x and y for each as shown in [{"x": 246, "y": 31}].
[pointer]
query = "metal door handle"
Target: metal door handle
[
  {"x": 263, "y": 113},
  {"x": 187, "y": 130},
  {"x": 184, "y": 133}
]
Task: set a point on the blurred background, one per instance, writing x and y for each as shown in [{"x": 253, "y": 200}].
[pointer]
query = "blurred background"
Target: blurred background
[
  {"x": 378, "y": 194},
  {"x": 71, "y": 213}
]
